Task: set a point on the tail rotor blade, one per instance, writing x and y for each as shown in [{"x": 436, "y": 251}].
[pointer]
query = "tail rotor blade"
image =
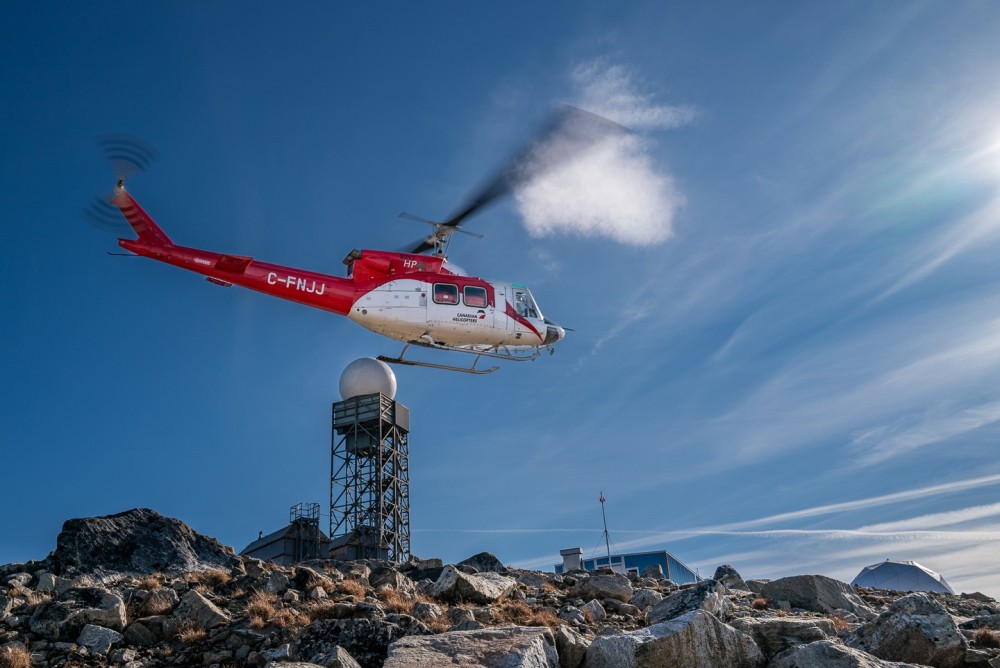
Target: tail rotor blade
[
  {"x": 128, "y": 155},
  {"x": 106, "y": 217}
]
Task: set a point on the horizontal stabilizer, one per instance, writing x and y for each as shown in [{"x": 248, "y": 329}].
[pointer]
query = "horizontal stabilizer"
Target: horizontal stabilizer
[{"x": 233, "y": 263}]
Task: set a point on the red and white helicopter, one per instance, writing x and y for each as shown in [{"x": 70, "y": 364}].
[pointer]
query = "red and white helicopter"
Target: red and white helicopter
[{"x": 418, "y": 299}]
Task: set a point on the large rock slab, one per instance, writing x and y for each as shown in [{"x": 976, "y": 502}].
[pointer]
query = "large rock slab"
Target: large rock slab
[
  {"x": 502, "y": 647},
  {"x": 774, "y": 635},
  {"x": 816, "y": 593},
  {"x": 614, "y": 586},
  {"x": 454, "y": 585},
  {"x": 694, "y": 640},
  {"x": 915, "y": 628},
  {"x": 200, "y": 611},
  {"x": 829, "y": 654},
  {"x": 139, "y": 542},
  {"x": 485, "y": 562},
  {"x": 707, "y": 595},
  {"x": 571, "y": 646},
  {"x": 98, "y": 639}
]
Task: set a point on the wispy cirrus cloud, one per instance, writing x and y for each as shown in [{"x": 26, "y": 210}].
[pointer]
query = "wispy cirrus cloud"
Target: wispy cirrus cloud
[
  {"x": 926, "y": 528},
  {"x": 616, "y": 190},
  {"x": 877, "y": 444}
]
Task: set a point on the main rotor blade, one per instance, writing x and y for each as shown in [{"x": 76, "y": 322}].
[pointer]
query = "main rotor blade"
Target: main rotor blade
[{"x": 564, "y": 136}]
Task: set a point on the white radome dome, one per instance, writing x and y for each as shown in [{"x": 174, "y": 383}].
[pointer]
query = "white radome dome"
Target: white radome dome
[{"x": 367, "y": 375}]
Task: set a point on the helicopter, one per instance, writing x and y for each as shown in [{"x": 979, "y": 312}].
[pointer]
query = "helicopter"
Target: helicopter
[{"x": 415, "y": 295}]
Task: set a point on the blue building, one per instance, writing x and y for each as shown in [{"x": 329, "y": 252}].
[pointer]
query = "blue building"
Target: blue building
[{"x": 673, "y": 568}]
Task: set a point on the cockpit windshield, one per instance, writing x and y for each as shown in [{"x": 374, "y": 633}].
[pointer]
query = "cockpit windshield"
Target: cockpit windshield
[{"x": 524, "y": 304}]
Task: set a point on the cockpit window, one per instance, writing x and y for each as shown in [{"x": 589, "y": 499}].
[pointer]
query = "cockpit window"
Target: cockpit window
[
  {"x": 474, "y": 296},
  {"x": 524, "y": 304},
  {"x": 445, "y": 293}
]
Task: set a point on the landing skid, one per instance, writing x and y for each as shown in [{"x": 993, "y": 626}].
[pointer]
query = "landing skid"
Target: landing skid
[{"x": 495, "y": 354}]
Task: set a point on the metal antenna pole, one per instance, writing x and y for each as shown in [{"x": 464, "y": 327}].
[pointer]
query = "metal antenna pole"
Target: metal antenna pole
[{"x": 607, "y": 541}]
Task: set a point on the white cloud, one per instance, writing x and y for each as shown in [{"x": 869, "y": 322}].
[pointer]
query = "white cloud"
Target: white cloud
[
  {"x": 615, "y": 190},
  {"x": 610, "y": 90},
  {"x": 886, "y": 441}
]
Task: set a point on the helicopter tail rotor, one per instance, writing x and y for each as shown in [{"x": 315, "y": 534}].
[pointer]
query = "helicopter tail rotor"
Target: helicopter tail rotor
[{"x": 127, "y": 155}]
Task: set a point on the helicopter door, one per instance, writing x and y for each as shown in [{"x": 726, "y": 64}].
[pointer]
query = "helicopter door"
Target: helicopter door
[{"x": 524, "y": 307}]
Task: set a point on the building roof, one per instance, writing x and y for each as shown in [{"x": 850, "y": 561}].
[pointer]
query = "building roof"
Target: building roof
[
  {"x": 274, "y": 537},
  {"x": 265, "y": 540},
  {"x": 901, "y": 576}
]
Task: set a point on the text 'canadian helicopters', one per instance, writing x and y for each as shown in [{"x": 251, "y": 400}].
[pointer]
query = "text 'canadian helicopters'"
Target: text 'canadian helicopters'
[{"x": 412, "y": 297}]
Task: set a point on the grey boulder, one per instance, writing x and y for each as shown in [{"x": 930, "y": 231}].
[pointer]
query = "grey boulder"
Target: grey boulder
[
  {"x": 694, "y": 640},
  {"x": 829, "y": 654},
  {"x": 454, "y": 585},
  {"x": 707, "y": 595},
  {"x": 502, "y": 647},
  {"x": 915, "y": 628},
  {"x": 98, "y": 639},
  {"x": 729, "y": 578},
  {"x": 200, "y": 611},
  {"x": 774, "y": 635},
  {"x": 816, "y": 593},
  {"x": 139, "y": 541},
  {"x": 614, "y": 586}
]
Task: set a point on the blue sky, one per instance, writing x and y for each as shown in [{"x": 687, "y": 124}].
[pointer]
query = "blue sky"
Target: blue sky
[{"x": 783, "y": 283}]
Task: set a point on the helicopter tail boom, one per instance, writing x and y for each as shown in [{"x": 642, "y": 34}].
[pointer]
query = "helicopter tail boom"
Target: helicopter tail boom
[{"x": 148, "y": 231}]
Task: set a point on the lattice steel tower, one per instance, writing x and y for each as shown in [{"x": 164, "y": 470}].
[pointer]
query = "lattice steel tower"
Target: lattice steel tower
[{"x": 370, "y": 477}]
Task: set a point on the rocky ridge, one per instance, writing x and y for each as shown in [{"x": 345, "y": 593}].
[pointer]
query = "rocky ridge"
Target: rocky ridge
[{"x": 141, "y": 590}]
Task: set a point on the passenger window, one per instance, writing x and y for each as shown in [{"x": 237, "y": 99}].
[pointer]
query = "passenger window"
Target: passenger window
[
  {"x": 474, "y": 296},
  {"x": 445, "y": 293}
]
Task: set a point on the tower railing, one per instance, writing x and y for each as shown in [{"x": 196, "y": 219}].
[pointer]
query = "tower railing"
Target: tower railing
[{"x": 370, "y": 477}]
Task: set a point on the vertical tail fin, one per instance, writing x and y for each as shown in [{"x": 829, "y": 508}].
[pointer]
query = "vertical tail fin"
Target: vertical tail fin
[{"x": 140, "y": 221}]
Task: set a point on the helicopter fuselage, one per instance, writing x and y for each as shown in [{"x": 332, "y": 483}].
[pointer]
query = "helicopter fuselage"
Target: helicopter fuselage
[{"x": 406, "y": 297}]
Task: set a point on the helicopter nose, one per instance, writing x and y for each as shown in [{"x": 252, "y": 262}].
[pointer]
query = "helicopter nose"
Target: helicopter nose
[{"x": 553, "y": 333}]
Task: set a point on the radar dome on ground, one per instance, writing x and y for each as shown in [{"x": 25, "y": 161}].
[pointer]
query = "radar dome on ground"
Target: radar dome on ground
[{"x": 367, "y": 376}]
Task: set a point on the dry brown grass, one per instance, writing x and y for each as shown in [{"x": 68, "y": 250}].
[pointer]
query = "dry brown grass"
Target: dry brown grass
[
  {"x": 188, "y": 632},
  {"x": 394, "y": 601},
  {"x": 840, "y": 625},
  {"x": 351, "y": 588},
  {"x": 522, "y": 614},
  {"x": 439, "y": 625},
  {"x": 780, "y": 613},
  {"x": 150, "y": 582},
  {"x": 986, "y": 638},
  {"x": 14, "y": 656},
  {"x": 209, "y": 579},
  {"x": 550, "y": 587},
  {"x": 36, "y": 598},
  {"x": 261, "y": 607},
  {"x": 288, "y": 618},
  {"x": 153, "y": 606},
  {"x": 759, "y": 603},
  {"x": 321, "y": 609},
  {"x": 588, "y": 615}
]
